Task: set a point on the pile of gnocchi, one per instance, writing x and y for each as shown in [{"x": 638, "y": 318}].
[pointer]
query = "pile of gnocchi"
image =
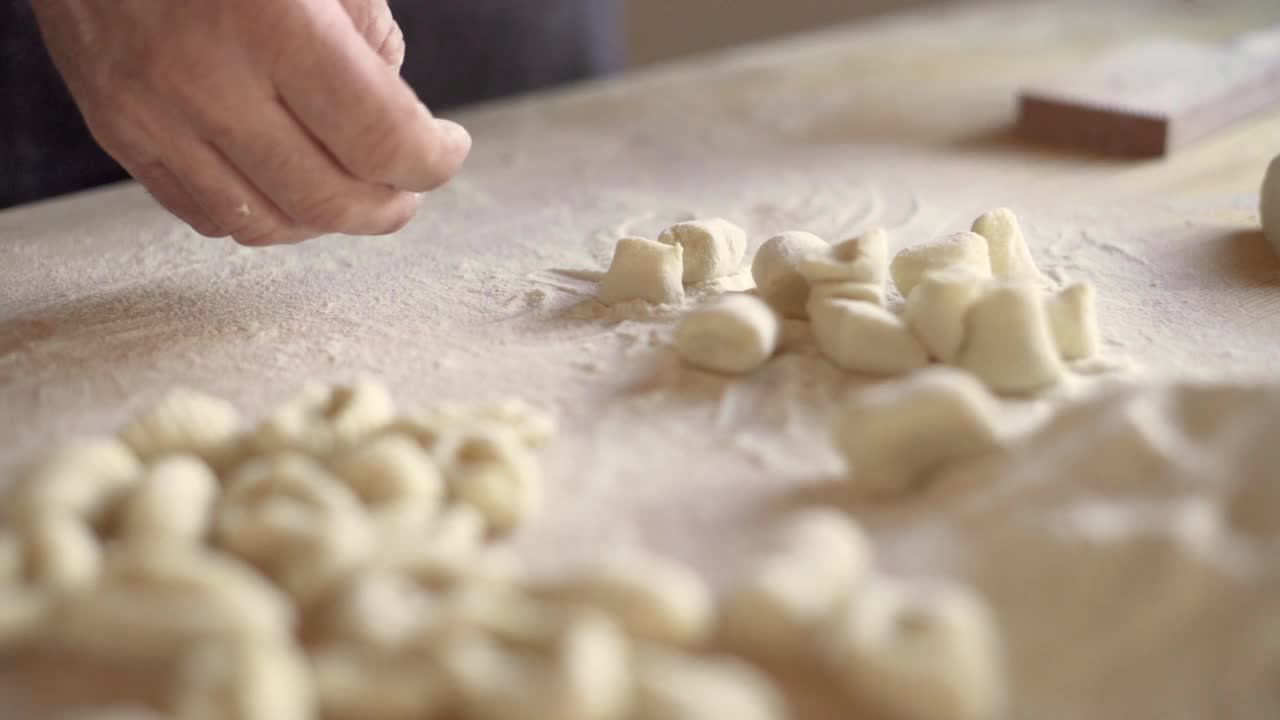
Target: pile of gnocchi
[
  {"x": 974, "y": 300},
  {"x": 339, "y": 559}
]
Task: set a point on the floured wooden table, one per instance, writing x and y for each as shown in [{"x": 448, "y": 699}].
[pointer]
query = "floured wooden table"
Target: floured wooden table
[{"x": 105, "y": 302}]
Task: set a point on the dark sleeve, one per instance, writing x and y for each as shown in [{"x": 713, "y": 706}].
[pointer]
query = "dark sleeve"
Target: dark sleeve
[
  {"x": 462, "y": 51},
  {"x": 45, "y": 148}
]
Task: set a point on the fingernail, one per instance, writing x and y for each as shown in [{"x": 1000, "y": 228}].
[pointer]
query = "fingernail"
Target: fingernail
[{"x": 455, "y": 135}]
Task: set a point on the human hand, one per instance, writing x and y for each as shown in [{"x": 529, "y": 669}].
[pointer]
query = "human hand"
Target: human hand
[{"x": 267, "y": 122}]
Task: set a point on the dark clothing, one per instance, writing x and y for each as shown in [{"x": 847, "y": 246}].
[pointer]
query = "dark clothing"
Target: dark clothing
[{"x": 459, "y": 51}]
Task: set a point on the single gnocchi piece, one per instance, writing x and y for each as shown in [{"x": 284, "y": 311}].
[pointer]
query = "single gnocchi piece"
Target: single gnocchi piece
[
  {"x": 862, "y": 260},
  {"x": 651, "y": 597},
  {"x": 86, "y": 478},
  {"x": 672, "y": 685},
  {"x": 153, "y": 605},
  {"x": 920, "y": 653},
  {"x": 584, "y": 675},
  {"x": 892, "y": 436},
  {"x": 865, "y": 338},
  {"x": 776, "y": 270},
  {"x": 61, "y": 551},
  {"x": 937, "y": 307},
  {"x": 376, "y": 610},
  {"x": 966, "y": 249},
  {"x": 245, "y": 679},
  {"x": 1073, "y": 317},
  {"x": 533, "y": 426},
  {"x": 24, "y": 612},
  {"x": 391, "y": 473},
  {"x": 493, "y": 471},
  {"x": 645, "y": 270},
  {"x": 1269, "y": 206},
  {"x": 734, "y": 334},
  {"x": 11, "y": 560},
  {"x": 353, "y": 684},
  {"x": 812, "y": 562},
  {"x": 172, "y": 504},
  {"x": 288, "y": 515},
  {"x": 184, "y": 421},
  {"x": 712, "y": 248},
  {"x": 321, "y": 420},
  {"x": 115, "y": 713},
  {"x": 1010, "y": 257},
  {"x": 1008, "y": 341}
]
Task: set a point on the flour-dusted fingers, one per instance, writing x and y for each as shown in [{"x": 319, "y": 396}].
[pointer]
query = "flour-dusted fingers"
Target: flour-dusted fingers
[
  {"x": 279, "y": 157},
  {"x": 167, "y": 190},
  {"x": 367, "y": 117},
  {"x": 231, "y": 200}
]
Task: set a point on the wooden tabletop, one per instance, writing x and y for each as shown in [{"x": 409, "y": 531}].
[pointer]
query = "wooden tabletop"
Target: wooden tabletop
[{"x": 904, "y": 122}]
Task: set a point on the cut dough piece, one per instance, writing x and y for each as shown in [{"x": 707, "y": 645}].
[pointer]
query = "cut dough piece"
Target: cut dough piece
[
  {"x": 644, "y": 270},
  {"x": 674, "y": 686},
  {"x": 86, "y": 478},
  {"x": 812, "y": 562},
  {"x": 733, "y": 334},
  {"x": 184, "y": 421},
  {"x": 172, "y": 504},
  {"x": 847, "y": 290},
  {"x": 651, "y": 597},
  {"x": 322, "y": 420},
  {"x": 965, "y": 249},
  {"x": 1270, "y": 205},
  {"x": 1010, "y": 257},
  {"x": 863, "y": 260},
  {"x": 920, "y": 653},
  {"x": 865, "y": 338},
  {"x": 712, "y": 248},
  {"x": 937, "y": 307},
  {"x": 776, "y": 270},
  {"x": 893, "y": 435},
  {"x": 245, "y": 679},
  {"x": 1073, "y": 316},
  {"x": 1008, "y": 342}
]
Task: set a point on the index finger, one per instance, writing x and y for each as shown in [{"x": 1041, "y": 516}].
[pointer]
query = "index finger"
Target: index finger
[{"x": 364, "y": 114}]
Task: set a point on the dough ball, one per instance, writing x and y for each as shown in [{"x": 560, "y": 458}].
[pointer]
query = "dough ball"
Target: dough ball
[{"x": 776, "y": 270}]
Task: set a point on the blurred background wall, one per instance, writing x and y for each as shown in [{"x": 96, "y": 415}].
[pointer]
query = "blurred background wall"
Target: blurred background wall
[{"x": 665, "y": 29}]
